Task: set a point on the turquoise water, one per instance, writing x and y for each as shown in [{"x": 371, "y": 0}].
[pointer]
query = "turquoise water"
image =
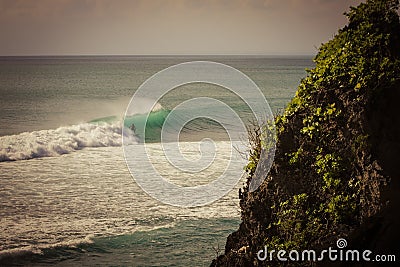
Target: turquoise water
[
  {"x": 45, "y": 93},
  {"x": 67, "y": 197},
  {"x": 190, "y": 241}
]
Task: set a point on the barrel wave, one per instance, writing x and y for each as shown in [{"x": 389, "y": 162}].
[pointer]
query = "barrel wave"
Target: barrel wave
[{"x": 100, "y": 132}]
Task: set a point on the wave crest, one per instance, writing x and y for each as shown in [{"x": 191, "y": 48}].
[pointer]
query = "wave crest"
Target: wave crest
[{"x": 63, "y": 140}]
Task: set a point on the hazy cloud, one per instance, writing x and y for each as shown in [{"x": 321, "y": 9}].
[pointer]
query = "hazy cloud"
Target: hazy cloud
[{"x": 168, "y": 27}]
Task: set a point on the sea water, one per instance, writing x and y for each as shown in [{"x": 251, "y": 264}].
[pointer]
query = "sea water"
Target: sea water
[{"x": 66, "y": 195}]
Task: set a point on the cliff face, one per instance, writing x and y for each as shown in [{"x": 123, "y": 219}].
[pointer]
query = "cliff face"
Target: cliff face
[{"x": 336, "y": 171}]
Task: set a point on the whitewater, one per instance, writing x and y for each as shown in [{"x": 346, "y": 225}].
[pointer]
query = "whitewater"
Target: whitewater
[
  {"x": 63, "y": 140},
  {"x": 67, "y": 197}
]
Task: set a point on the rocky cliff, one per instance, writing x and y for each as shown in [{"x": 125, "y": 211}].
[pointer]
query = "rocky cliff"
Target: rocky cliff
[{"x": 336, "y": 170}]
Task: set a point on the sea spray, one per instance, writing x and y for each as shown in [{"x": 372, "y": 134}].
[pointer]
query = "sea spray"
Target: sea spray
[{"x": 63, "y": 140}]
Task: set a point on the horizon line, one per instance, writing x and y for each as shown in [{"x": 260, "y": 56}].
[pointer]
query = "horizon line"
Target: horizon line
[{"x": 162, "y": 55}]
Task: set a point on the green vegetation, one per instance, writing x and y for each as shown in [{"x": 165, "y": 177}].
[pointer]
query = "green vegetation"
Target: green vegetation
[
  {"x": 325, "y": 122},
  {"x": 327, "y": 181}
]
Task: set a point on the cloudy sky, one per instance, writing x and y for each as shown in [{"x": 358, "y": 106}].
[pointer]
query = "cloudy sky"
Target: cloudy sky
[{"x": 179, "y": 27}]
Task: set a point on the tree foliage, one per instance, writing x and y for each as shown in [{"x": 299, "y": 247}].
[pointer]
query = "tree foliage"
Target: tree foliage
[
  {"x": 324, "y": 136},
  {"x": 325, "y": 181}
]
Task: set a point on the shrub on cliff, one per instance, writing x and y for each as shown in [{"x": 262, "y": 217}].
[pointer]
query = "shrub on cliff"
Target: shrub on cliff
[
  {"x": 328, "y": 120},
  {"x": 326, "y": 180}
]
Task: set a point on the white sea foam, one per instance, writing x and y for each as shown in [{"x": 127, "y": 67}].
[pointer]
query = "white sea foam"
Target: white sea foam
[
  {"x": 63, "y": 140},
  {"x": 40, "y": 249},
  {"x": 31, "y": 249}
]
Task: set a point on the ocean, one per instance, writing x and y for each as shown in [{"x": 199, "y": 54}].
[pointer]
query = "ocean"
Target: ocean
[{"x": 67, "y": 197}]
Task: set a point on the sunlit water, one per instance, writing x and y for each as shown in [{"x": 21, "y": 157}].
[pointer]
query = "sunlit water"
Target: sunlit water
[
  {"x": 67, "y": 197},
  {"x": 86, "y": 196}
]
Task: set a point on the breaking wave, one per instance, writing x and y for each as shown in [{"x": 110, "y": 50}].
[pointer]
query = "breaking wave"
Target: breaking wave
[
  {"x": 99, "y": 132},
  {"x": 39, "y": 250},
  {"x": 63, "y": 140}
]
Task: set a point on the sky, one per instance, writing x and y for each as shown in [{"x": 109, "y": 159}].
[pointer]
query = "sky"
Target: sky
[{"x": 175, "y": 27}]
